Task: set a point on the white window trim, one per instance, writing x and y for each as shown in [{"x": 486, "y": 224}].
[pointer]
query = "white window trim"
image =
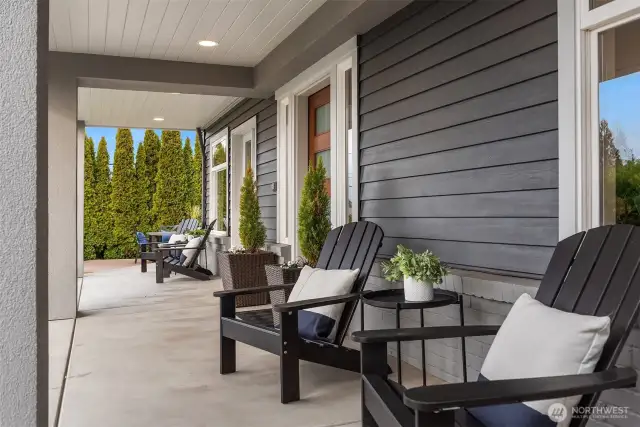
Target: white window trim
[
  {"x": 238, "y": 169},
  {"x": 219, "y": 138},
  {"x": 292, "y": 127},
  {"x": 579, "y": 177}
]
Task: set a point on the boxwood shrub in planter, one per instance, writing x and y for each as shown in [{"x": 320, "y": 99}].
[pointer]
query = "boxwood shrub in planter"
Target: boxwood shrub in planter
[{"x": 244, "y": 268}]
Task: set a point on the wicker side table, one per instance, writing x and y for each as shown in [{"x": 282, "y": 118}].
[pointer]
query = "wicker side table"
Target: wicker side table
[{"x": 277, "y": 276}]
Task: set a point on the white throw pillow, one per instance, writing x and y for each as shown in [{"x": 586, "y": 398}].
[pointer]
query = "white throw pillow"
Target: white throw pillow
[
  {"x": 175, "y": 238},
  {"x": 190, "y": 253},
  {"x": 540, "y": 341},
  {"x": 320, "y": 323}
]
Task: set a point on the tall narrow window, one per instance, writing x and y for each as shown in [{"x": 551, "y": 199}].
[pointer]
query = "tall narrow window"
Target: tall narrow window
[
  {"x": 619, "y": 127},
  {"x": 349, "y": 139},
  {"x": 218, "y": 183}
]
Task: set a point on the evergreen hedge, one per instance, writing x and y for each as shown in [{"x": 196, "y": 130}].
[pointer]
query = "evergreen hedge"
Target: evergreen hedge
[
  {"x": 152, "y": 150},
  {"x": 197, "y": 173},
  {"x": 102, "y": 215},
  {"x": 187, "y": 155},
  {"x": 313, "y": 214},
  {"x": 142, "y": 197},
  {"x": 123, "y": 193},
  {"x": 89, "y": 200},
  {"x": 168, "y": 202}
]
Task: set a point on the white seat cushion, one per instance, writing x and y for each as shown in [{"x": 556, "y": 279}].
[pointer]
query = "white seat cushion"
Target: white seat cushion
[
  {"x": 539, "y": 341},
  {"x": 320, "y": 323},
  {"x": 188, "y": 253},
  {"x": 175, "y": 238}
]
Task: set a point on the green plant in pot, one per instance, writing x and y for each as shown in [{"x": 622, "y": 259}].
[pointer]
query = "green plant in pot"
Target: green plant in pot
[
  {"x": 313, "y": 213},
  {"x": 244, "y": 268},
  {"x": 420, "y": 272}
]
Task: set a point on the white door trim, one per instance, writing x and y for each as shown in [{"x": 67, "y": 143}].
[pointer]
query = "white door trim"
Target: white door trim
[{"x": 292, "y": 104}]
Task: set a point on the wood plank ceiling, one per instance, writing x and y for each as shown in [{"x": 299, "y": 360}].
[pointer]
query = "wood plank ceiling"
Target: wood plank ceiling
[
  {"x": 246, "y": 30},
  {"x": 137, "y": 109}
]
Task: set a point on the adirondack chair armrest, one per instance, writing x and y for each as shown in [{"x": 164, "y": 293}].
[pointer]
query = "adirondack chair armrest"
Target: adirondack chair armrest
[
  {"x": 419, "y": 334},
  {"x": 315, "y": 302},
  {"x": 483, "y": 393},
  {"x": 250, "y": 291},
  {"x": 172, "y": 248}
]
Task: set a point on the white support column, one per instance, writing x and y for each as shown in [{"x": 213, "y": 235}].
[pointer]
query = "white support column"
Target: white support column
[
  {"x": 63, "y": 154},
  {"x": 80, "y": 198},
  {"x": 24, "y": 32}
]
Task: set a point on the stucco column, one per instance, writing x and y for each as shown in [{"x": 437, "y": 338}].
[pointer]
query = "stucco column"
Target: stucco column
[
  {"x": 80, "y": 200},
  {"x": 24, "y": 34},
  {"x": 63, "y": 154}
]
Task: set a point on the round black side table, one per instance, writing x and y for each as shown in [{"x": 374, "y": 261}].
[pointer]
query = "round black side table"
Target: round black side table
[{"x": 394, "y": 299}]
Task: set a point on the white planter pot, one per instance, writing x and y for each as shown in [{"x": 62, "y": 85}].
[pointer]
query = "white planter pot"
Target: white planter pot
[{"x": 415, "y": 290}]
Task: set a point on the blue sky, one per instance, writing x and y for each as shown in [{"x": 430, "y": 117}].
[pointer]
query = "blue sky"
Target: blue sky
[
  {"x": 138, "y": 136},
  {"x": 620, "y": 106}
]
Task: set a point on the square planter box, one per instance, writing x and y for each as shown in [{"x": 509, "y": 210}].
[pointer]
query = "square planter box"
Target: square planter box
[
  {"x": 276, "y": 276},
  {"x": 241, "y": 271}
]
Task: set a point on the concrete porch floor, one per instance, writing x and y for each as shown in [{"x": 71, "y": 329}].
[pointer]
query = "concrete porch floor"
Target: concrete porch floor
[{"x": 146, "y": 354}]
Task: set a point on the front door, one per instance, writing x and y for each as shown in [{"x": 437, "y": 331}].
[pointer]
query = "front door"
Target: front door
[{"x": 320, "y": 131}]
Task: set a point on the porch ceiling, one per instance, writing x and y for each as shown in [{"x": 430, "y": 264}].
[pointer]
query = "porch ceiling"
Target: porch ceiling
[
  {"x": 136, "y": 109},
  {"x": 246, "y": 30}
]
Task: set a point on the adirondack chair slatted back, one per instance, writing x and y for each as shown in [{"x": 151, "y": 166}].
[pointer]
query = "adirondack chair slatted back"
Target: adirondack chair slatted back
[
  {"x": 203, "y": 244},
  {"x": 354, "y": 245},
  {"x": 596, "y": 273},
  {"x": 187, "y": 225}
]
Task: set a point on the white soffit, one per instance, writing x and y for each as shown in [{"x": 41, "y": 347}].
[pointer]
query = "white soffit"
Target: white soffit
[
  {"x": 137, "y": 109},
  {"x": 246, "y": 30}
]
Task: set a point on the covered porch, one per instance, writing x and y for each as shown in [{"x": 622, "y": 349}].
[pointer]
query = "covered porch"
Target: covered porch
[{"x": 147, "y": 354}]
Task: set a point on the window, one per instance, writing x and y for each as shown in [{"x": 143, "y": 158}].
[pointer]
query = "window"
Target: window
[
  {"x": 218, "y": 182},
  {"x": 618, "y": 124},
  {"x": 598, "y": 3}
]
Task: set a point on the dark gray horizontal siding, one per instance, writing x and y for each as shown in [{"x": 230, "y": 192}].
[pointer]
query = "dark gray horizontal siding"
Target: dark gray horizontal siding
[
  {"x": 265, "y": 111},
  {"x": 458, "y": 132}
]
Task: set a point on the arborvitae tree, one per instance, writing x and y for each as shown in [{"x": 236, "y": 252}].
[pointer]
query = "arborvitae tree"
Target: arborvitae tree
[
  {"x": 187, "y": 155},
  {"x": 103, "y": 216},
  {"x": 89, "y": 200},
  {"x": 143, "y": 197},
  {"x": 219, "y": 157},
  {"x": 197, "y": 173},
  {"x": 123, "y": 195},
  {"x": 313, "y": 215},
  {"x": 152, "y": 148},
  {"x": 251, "y": 228},
  {"x": 168, "y": 201}
]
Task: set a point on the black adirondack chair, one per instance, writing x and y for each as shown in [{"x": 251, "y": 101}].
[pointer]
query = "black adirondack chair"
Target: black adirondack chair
[
  {"x": 352, "y": 246},
  {"x": 168, "y": 260},
  {"x": 594, "y": 273}
]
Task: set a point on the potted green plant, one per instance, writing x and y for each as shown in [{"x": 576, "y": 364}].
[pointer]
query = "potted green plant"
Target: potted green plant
[
  {"x": 420, "y": 272},
  {"x": 244, "y": 267},
  {"x": 313, "y": 214}
]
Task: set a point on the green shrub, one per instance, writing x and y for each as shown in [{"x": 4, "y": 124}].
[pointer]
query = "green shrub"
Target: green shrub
[
  {"x": 103, "y": 215},
  {"x": 219, "y": 157},
  {"x": 168, "y": 201},
  {"x": 313, "y": 214},
  {"x": 251, "y": 229},
  {"x": 424, "y": 267},
  {"x": 123, "y": 198},
  {"x": 187, "y": 155},
  {"x": 142, "y": 197},
  {"x": 89, "y": 200}
]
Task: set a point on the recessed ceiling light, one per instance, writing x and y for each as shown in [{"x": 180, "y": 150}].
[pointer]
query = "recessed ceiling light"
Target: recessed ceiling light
[
  {"x": 175, "y": 93},
  {"x": 158, "y": 119},
  {"x": 207, "y": 43}
]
